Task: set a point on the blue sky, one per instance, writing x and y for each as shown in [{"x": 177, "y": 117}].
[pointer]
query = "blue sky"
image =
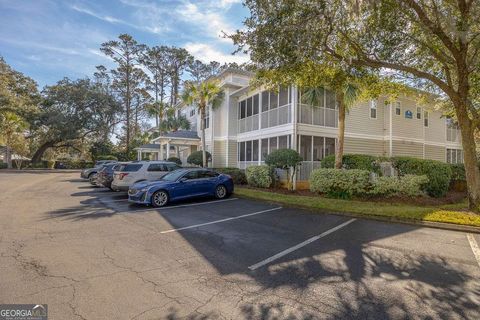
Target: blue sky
[{"x": 48, "y": 40}]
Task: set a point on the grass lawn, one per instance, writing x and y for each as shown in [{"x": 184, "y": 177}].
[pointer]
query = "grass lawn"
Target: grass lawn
[{"x": 443, "y": 213}]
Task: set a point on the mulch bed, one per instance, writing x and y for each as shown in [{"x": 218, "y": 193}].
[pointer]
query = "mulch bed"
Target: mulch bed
[{"x": 452, "y": 197}]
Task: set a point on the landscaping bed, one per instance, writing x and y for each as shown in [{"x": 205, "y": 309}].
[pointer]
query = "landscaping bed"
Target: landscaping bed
[{"x": 450, "y": 211}]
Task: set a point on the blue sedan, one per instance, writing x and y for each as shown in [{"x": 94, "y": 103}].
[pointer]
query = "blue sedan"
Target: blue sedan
[{"x": 181, "y": 184}]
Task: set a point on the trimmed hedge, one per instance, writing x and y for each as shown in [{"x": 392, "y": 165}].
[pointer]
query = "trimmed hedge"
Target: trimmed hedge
[
  {"x": 238, "y": 175},
  {"x": 106, "y": 157},
  {"x": 176, "y": 160},
  {"x": 340, "y": 183},
  {"x": 408, "y": 185},
  {"x": 3, "y": 165},
  {"x": 259, "y": 176},
  {"x": 354, "y": 161},
  {"x": 458, "y": 172},
  {"x": 72, "y": 164},
  {"x": 439, "y": 174},
  {"x": 196, "y": 158}
]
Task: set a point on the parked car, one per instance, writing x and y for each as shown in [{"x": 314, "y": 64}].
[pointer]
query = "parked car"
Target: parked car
[
  {"x": 181, "y": 184},
  {"x": 138, "y": 171},
  {"x": 104, "y": 177},
  {"x": 90, "y": 172}
]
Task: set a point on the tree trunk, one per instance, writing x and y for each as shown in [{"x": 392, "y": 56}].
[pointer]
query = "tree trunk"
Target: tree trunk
[
  {"x": 37, "y": 156},
  {"x": 204, "y": 145},
  {"x": 341, "y": 130},
  {"x": 8, "y": 156},
  {"x": 472, "y": 172}
]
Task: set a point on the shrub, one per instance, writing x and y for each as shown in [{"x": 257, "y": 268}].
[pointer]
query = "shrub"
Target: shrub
[
  {"x": 72, "y": 164},
  {"x": 238, "y": 175},
  {"x": 176, "y": 160},
  {"x": 38, "y": 165},
  {"x": 3, "y": 165},
  {"x": 196, "y": 158},
  {"x": 354, "y": 161},
  {"x": 458, "y": 172},
  {"x": 106, "y": 157},
  {"x": 287, "y": 159},
  {"x": 340, "y": 183},
  {"x": 259, "y": 176},
  {"x": 438, "y": 173},
  {"x": 408, "y": 185}
]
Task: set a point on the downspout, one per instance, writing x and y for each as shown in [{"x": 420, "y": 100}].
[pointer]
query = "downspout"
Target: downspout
[
  {"x": 390, "y": 147},
  {"x": 294, "y": 108}
]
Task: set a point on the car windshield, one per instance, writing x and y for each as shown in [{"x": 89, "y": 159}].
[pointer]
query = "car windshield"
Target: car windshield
[{"x": 174, "y": 175}]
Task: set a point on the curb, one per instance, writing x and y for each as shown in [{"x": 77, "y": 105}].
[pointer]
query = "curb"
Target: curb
[{"x": 428, "y": 224}]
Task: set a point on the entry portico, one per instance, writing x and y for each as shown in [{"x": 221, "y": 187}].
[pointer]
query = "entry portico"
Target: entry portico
[{"x": 180, "y": 143}]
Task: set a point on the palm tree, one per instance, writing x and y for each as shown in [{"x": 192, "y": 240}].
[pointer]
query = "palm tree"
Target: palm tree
[
  {"x": 203, "y": 95},
  {"x": 346, "y": 95},
  {"x": 158, "y": 110},
  {"x": 175, "y": 123}
]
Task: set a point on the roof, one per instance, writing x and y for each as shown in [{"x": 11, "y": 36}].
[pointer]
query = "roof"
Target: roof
[
  {"x": 180, "y": 134},
  {"x": 149, "y": 146}
]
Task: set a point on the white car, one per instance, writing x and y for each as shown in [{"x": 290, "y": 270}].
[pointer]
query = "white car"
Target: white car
[{"x": 137, "y": 171}]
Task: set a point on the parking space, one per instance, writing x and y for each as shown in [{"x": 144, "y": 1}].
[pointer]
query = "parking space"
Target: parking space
[{"x": 232, "y": 258}]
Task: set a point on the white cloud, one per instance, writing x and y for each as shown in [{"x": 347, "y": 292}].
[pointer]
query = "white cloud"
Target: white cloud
[
  {"x": 207, "y": 53},
  {"x": 110, "y": 19}
]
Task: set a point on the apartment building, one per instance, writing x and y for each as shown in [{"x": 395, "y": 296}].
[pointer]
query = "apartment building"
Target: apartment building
[{"x": 252, "y": 122}]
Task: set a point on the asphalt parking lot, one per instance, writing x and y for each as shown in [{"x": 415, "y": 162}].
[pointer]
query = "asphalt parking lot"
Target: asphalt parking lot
[{"x": 89, "y": 254}]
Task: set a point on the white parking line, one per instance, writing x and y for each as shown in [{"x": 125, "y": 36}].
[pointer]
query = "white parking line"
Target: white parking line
[
  {"x": 221, "y": 220},
  {"x": 180, "y": 206},
  {"x": 298, "y": 246},
  {"x": 474, "y": 246}
]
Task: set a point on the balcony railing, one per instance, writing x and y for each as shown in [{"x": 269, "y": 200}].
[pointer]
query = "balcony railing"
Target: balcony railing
[
  {"x": 318, "y": 116},
  {"x": 271, "y": 118}
]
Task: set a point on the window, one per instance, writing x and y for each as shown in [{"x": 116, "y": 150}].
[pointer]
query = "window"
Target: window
[
  {"x": 192, "y": 175},
  {"x": 265, "y": 99},
  {"x": 306, "y": 148},
  {"x": 419, "y": 113},
  {"x": 283, "y": 142},
  {"x": 241, "y": 152},
  {"x": 283, "y": 96},
  {"x": 207, "y": 174},
  {"x": 330, "y": 100},
  {"x": 454, "y": 156},
  {"x": 172, "y": 167},
  {"x": 130, "y": 167},
  {"x": 249, "y": 107},
  {"x": 264, "y": 148},
  {"x": 273, "y": 99},
  {"x": 255, "y": 104},
  {"x": 206, "y": 122},
  {"x": 273, "y": 144},
  {"x": 255, "y": 150},
  {"x": 425, "y": 118},
  {"x": 373, "y": 109},
  {"x": 242, "y": 111},
  {"x": 155, "y": 167},
  {"x": 318, "y": 148},
  {"x": 249, "y": 151},
  {"x": 398, "y": 108}
]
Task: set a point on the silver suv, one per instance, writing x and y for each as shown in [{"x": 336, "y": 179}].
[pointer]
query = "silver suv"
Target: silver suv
[{"x": 133, "y": 172}]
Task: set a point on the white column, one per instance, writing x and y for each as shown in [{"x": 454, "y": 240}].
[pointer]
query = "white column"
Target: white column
[
  {"x": 161, "y": 151},
  {"x": 168, "y": 150},
  {"x": 139, "y": 155}
]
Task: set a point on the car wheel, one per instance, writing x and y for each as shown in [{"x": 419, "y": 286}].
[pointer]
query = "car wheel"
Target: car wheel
[
  {"x": 92, "y": 178},
  {"x": 159, "y": 198},
  {"x": 221, "y": 192}
]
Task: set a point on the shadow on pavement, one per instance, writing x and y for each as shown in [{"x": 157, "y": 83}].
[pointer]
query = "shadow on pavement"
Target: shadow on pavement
[{"x": 344, "y": 276}]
